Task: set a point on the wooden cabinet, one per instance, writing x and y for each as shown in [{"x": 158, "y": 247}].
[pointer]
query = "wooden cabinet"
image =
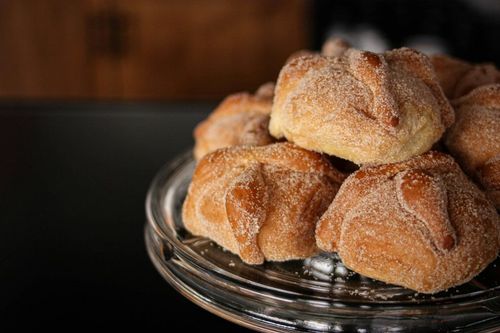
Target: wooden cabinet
[{"x": 148, "y": 49}]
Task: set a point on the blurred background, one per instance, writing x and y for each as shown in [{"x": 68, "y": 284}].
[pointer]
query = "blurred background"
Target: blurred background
[
  {"x": 96, "y": 95},
  {"x": 192, "y": 49}
]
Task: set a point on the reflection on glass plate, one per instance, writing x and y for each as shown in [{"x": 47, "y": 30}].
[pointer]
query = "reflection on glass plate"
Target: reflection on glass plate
[{"x": 314, "y": 295}]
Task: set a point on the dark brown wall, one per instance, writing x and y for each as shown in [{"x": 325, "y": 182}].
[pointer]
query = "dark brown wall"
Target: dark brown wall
[{"x": 148, "y": 49}]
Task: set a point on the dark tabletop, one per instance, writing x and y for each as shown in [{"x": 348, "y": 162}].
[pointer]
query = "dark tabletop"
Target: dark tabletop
[{"x": 73, "y": 179}]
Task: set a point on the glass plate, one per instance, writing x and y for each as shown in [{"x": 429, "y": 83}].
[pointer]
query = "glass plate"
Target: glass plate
[{"x": 318, "y": 294}]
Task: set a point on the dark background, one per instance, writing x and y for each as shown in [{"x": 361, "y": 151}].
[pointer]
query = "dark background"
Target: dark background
[
  {"x": 195, "y": 49},
  {"x": 96, "y": 95},
  {"x": 73, "y": 180},
  {"x": 465, "y": 29}
]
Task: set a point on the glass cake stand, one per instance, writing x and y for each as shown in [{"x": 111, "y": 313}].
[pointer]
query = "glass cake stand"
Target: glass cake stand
[{"x": 318, "y": 294}]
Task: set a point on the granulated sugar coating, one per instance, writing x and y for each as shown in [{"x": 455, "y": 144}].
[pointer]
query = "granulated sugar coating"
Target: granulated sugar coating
[
  {"x": 261, "y": 203},
  {"x": 474, "y": 139},
  {"x": 360, "y": 106},
  {"x": 240, "y": 119},
  {"x": 458, "y": 77},
  {"x": 420, "y": 224},
  {"x": 408, "y": 216}
]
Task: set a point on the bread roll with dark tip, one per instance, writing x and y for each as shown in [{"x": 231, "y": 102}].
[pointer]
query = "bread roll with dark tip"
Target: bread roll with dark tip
[
  {"x": 363, "y": 107},
  {"x": 421, "y": 224},
  {"x": 261, "y": 203}
]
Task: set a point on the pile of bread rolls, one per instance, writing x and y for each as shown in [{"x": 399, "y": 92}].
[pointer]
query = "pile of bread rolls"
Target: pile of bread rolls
[{"x": 271, "y": 181}]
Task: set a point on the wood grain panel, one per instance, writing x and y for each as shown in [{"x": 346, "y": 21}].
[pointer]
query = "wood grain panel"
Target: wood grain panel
[
  {"x": 42, "y": 49},
  {"x": 209, "y": 51},
  {"x": 148, "y": 49}
]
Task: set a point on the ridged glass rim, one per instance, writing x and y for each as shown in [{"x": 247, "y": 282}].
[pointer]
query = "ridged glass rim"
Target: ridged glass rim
[{"x": 156, "y": 218}]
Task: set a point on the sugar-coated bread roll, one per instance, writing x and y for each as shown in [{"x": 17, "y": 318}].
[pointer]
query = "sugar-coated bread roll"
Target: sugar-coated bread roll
[
  {"x": 458, "y": 77},
  {"x": 240, "y": 119},
  {"x": 261, "y": 203},
  {"x": 361, "y": 106},
  {"x": 421, "y": 224},
  {"x": 474, "y": 139}
]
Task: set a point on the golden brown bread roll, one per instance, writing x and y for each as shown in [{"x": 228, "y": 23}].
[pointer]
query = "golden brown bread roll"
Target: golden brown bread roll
[
  {"x": 420, "y": 224},
  {"x": 362, "y": 106},
  {"x": 458, "y": 77},
  {"x": 261, "y": 203},
  {"x": 474, "y": 139},
  {"x": 240, "y": 119},
  {"x": 489, "y": 177}
]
